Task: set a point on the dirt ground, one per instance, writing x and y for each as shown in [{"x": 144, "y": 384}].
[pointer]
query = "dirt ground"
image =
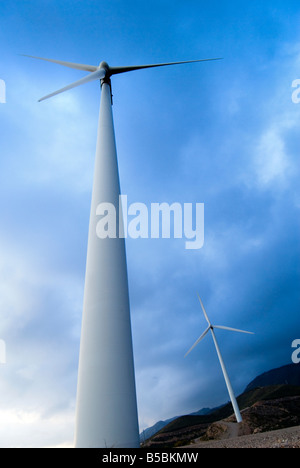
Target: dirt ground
[{"x": 283, "y": 438}]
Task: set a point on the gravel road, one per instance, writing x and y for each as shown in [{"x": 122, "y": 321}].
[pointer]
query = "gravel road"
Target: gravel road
[{"x": 283, "y": 438}]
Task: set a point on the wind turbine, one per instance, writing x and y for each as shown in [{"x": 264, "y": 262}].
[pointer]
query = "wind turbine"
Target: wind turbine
[
  {"x": 228, "y": 384},
  {"x": 106, "y": 408}
]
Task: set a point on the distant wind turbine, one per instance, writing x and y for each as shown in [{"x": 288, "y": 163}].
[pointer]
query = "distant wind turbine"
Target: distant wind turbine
[
  {"x": 106, "y": 411},
  {"x": 228, "y": 384}
]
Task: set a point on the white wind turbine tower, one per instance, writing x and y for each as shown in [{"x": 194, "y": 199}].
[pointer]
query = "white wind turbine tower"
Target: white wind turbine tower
[
  {"x": 228, "y": 384},
  {"x": 106, "y": 408}
]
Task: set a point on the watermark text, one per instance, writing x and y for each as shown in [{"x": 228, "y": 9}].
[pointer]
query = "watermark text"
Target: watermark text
[
  {"x": 296, "y": 353},
  {"x": 151, "y": 457},
  {"x": 2, "y": 92},
  {"x": 2, "y": 352},
  {"x": 296, "y": 93},
  {"x": 163, "y": 221}
]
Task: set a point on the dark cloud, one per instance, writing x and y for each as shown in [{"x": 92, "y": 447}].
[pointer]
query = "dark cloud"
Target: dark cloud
[{"x": 222, "y": 133}]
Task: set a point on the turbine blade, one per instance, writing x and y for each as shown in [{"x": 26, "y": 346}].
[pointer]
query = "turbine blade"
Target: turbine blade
[
  {"x": 204, "y": 311},
  {"x": 116, "y": 70},
  {"x": 97, "y": 75},
  {"x": 76, "y": 66},
  {"x": 232, "y": 329},
  {"x": 198, "y": 341}
]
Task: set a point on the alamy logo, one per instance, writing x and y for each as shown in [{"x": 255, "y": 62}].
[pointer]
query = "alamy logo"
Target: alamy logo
[
  {"x": 164, "y": 221},
  {"x": 2, "y": 352},
  {"x": 2, "y": 92},
  {"x": 296, "y": 353},
  {"x": 296, "y": 93}
]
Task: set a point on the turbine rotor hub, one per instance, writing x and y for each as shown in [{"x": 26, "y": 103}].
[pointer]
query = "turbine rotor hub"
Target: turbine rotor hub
[
  {"x": 106, "y": 79},
  {"x": 104, "y": 65}
]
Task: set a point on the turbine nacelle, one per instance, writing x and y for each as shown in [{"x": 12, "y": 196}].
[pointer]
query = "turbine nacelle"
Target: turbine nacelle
[{"x": 104, "y": 65}]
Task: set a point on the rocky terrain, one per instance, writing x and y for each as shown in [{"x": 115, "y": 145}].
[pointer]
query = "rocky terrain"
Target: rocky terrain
[
  {"x": 282, "y": 438},
  {"x": 270, "y": 403},
  {"x": 257, "y": 428},
  {"x": 263, "y": 410}
]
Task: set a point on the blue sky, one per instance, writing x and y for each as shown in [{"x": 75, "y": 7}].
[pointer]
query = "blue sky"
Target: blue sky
[{"x": 224, "y": 133}]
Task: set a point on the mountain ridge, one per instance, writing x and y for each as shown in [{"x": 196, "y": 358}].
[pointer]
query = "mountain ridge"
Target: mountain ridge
[
  {"x": 284, "y": 375},
  {"x": 263, "y": 409},
  {"x": 280, "y": 381}
]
